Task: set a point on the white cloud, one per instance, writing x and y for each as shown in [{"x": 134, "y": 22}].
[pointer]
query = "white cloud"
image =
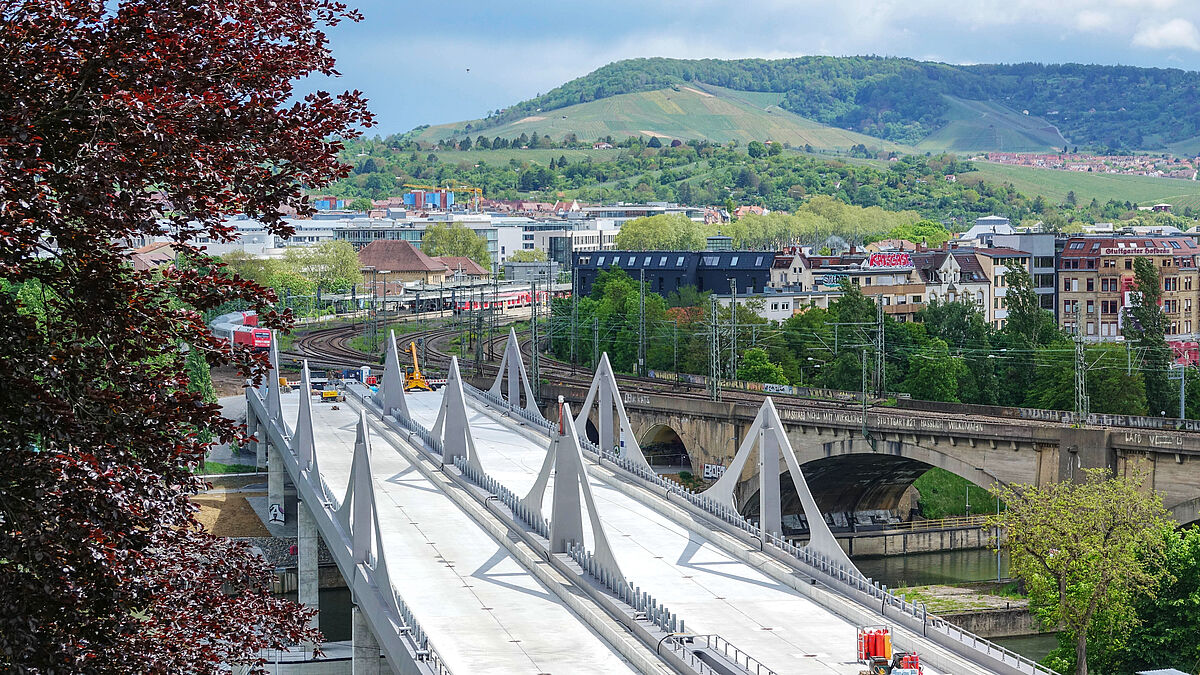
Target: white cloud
[
  {"x": 1176, "y": 33},
  {"x": 1090, "y": 20}
]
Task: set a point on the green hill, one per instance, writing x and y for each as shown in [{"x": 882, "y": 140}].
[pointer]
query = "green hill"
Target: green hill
[
  {"x": 987, "y": 125},
  {"x": 702, "y": 112},
  {"x": 905, "y": 101}
]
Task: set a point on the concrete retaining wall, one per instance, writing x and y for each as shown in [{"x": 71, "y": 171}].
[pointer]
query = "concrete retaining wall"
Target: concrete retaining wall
[
  {"x": 892, "y": 542},
  {"x": 993, "y": 623}
]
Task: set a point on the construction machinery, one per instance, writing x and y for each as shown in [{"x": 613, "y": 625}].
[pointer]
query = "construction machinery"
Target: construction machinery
[
  {"x": 875, "y": 650},
  {"x": 415, "y": 381}
]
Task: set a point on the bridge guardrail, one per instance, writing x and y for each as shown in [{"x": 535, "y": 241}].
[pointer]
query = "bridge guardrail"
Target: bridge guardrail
[
  {"x": 851, "y": 584},
  {"x": 644, "y": 605},
  {"x": 422, "y": 649}
]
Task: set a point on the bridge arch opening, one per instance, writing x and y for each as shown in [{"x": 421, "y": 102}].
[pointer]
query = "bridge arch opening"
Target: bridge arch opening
[
  {"x": 870, "y": 491},
  {"x": 664, "y": 450}
]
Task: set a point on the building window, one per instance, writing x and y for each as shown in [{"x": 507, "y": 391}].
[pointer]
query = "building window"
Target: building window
[
  {"x": 916, "y": 299},
  {"x": 1066, "y": 283},
  {"x": 1091, "y": 328},
  {"x": 1091, "y": 284},
  {"x": 733, "y": 261},
  {"x": 1128, "y": 263},
  {"x": 1091, "y": 306}
]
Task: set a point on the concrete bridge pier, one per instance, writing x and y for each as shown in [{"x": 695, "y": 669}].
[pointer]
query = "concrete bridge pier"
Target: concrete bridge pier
[
  {"x": 307, "y": 538},
  {"x": 257, "y": 447},
  {"x": 276, "y": 477},
  {"x": 366, "y": 647}
]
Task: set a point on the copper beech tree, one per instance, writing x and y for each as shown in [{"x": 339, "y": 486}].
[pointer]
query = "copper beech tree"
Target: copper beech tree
[{"x": 118, "y": 119}]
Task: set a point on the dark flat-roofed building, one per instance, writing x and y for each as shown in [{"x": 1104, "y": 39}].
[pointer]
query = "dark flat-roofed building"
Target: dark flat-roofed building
[{"x": 668, "y": 271}]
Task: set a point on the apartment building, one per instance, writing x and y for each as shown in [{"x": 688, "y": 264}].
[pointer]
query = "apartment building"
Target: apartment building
[
  {"x": 1096, "y": 281},
  {"x": 996, "y": 263}
]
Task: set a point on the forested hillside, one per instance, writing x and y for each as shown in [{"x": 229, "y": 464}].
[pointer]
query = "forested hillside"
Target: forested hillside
[
  {"x": 904, "y": 100},
  {"x": 699, "y": 172}
]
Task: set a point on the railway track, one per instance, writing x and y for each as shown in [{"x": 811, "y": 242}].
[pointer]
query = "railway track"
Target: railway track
[{"x": 330, "y": 347}]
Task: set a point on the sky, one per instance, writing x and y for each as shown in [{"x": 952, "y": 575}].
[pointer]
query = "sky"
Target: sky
[{"x": 432, "y": 64}]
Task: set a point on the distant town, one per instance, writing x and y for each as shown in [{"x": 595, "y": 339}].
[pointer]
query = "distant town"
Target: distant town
[{"x": 1157, "y": 166}]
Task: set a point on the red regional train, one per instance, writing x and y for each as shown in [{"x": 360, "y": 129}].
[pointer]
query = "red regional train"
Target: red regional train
[
  {"x": 244, "y": 330},
  {"x": 504, "y": 300}
]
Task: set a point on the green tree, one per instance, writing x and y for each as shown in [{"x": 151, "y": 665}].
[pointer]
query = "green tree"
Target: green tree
[
  {"x": 1026, "y": 317},
  {"x": 528, "y": 255},
  {"x": 654, "y": 142},
  {"x": 361, "y": 204},
  {"x": 965, "y": 330},
  {"x": 1147, "y": 329},
  {"x": 1168, "y": 622},
  {"x": 933, "y": 374},
  {"x": 457, "y": 240},
  {"x": 1084, "y": 551},
  {"x": 756, "y": 149},
  {"x": 1111, "y": 388},
  {"x": 755, "y": 366},
  {"x": 333, "y": 265},
  {"x": 662, "y": 233}
]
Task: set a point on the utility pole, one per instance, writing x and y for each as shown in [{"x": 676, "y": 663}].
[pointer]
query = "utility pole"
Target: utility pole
[
  {"x": 574, "y": 315},
  {"x": 714, "y": 355},
  {"x": 641, "y": 365},
  {"x": 864, "y": 392},
  {"x": 533, "y": 326},
  {"x": 1182, "y": 377},
  {"x": 675, "y": 349},
  {"x": 733, "y": 329},
  {"x": 880, "y": 363},
  {"x": 1081, "y": 397}
]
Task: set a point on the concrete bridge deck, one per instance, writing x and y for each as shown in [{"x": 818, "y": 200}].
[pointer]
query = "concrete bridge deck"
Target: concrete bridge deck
[
  {"x": 715, "y": 592},
  {"x": 483, "y": 611}
]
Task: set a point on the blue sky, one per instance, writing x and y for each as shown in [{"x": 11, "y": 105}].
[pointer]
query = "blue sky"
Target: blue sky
[{"x": 416, "y": 72}]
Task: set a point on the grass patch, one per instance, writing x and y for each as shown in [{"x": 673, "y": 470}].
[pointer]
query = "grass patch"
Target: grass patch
[
  {"x": 684, "y": 112},
  {"x": 1054, "y": 185},
  {"x": 211, "y": 468},
  {"x": 284, "y": 341},
  {"x": 944, "y": 494}
]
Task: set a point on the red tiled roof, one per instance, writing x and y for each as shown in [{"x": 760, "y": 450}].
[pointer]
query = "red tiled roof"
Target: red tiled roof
[
  {"x": 397, "y": 256},
  {"x": 455, "y": 263}
]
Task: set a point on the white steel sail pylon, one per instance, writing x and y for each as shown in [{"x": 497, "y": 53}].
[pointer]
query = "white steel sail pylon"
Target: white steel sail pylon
[
  {"x": 359, "y": 517},
  {"x": 274, "y": 403},
  {"x": 512, "y": 366},
  {"x": 453, "y": 427},
  {"x": 564, "y": 458},
  {"x": 391, "y": 391},
  {"x": 768, "y": 439},
  {"x": 303, "y": 438},
  {"x": 604, "y": 393}
]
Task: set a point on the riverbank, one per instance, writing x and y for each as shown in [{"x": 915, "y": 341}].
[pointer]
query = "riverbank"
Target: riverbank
[{"x": 987, "y": 609}]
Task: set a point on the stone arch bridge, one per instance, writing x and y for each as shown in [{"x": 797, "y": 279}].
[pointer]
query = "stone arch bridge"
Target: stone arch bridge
[{"x": 849, "y": 471}]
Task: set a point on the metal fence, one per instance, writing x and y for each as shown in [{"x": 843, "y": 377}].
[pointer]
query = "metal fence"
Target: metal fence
[{"x": 850, "y": 582}]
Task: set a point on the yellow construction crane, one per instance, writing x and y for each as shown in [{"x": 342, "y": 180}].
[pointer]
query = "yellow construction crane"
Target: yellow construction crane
[{"x": 415, "y": 380}]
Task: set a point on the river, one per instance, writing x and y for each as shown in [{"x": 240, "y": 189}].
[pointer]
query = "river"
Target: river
[{"x": 923, "y": 569}]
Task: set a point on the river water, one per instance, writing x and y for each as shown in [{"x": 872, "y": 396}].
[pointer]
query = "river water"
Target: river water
[{"x": 923, "y": 569}]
